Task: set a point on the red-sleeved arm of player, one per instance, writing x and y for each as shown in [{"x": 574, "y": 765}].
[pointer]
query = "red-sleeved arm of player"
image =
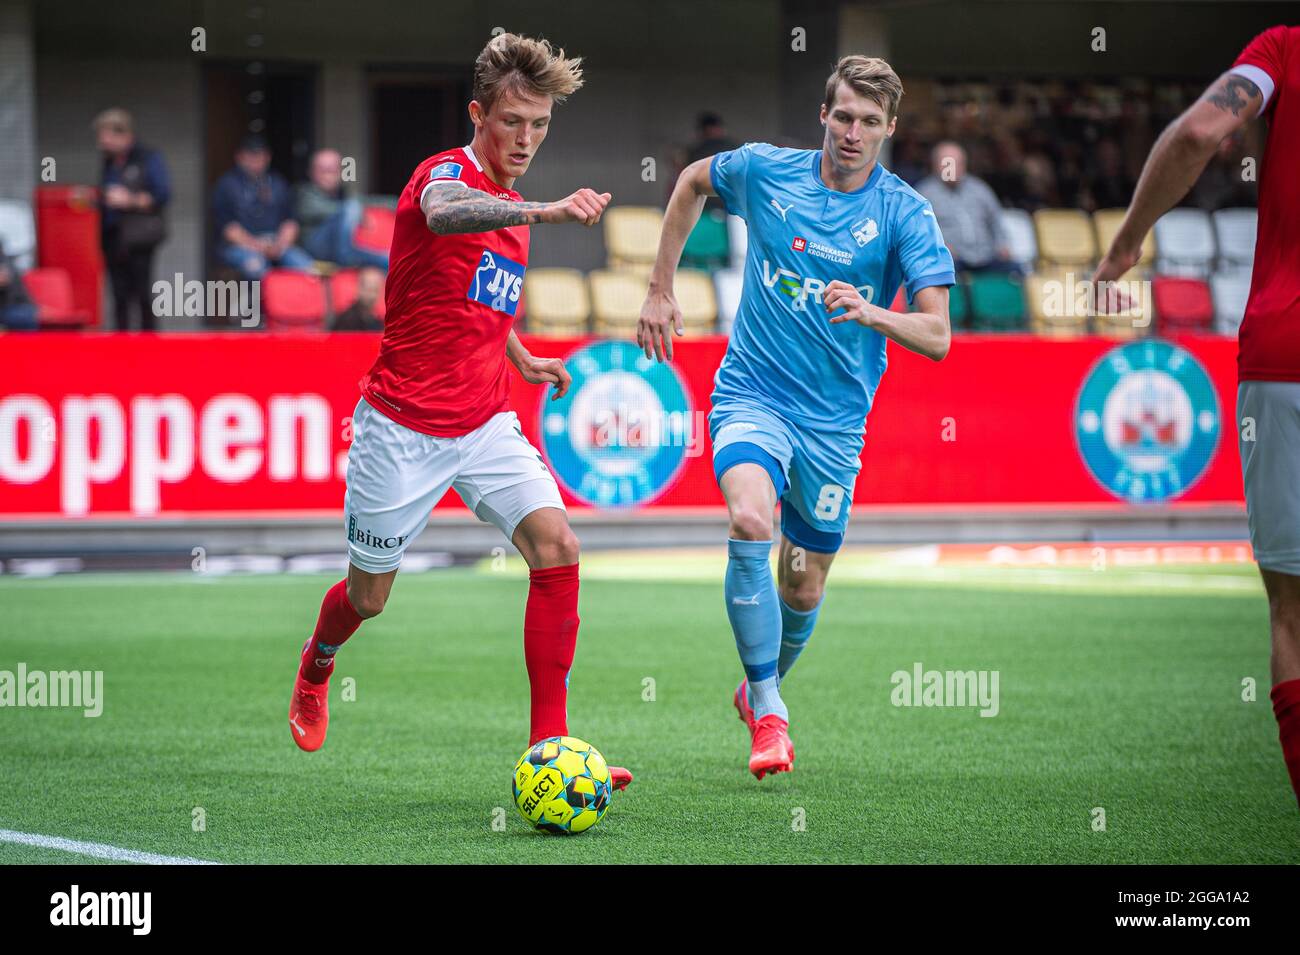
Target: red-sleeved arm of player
[{"x": 1263, "y": 62}]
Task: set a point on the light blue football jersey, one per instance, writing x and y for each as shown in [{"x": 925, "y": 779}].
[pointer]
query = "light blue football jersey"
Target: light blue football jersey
[{"x": 784, "y": 351}]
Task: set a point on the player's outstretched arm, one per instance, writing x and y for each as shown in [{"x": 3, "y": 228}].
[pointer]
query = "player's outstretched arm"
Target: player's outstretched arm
[
  {"x": 926, "y": 331},
  {"x": 660, "y": 315},
  {"x": 538, "y": 371},
  {"x": 451, "y": 208},
  {"x": 1177, "y": 159}
]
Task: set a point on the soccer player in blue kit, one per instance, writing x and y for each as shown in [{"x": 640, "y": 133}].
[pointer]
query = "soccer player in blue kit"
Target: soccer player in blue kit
[{"x": 832, "y": 235}]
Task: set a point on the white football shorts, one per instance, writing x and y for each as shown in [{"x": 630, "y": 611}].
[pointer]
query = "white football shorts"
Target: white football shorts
[
  {"x": 396, "y": 475},
  {"x": 1268, "y": 433}
]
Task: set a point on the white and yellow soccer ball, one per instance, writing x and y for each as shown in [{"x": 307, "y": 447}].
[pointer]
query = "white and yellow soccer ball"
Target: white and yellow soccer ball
[{"x": 562, "y": 785}]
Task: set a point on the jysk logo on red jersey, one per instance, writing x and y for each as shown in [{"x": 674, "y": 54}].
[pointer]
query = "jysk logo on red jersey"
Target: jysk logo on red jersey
[
  {"x": 497, "y": 282},
  {"x": 799, "y": 243}
]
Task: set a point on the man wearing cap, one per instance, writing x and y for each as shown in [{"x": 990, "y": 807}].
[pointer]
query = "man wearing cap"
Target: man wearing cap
[{"x": 252, "y": 208}]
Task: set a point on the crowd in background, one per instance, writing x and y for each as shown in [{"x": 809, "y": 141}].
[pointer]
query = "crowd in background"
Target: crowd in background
[{"x": 972, "y": 148}]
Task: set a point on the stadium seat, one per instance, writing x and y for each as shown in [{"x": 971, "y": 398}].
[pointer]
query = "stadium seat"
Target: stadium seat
[
  {"x": 343, "y": 292},
  {"x": 1182, "y": 304},
  {"x": 375, "y": 230},
  {"x": 293, "y": 301},
  {"x": 1184, "y": 243},
  {"x": 1021, "y": 241},
  {"x": 1107, "y": 222},
  {"x": 707, "y": 245},
  {"x": 1230, "y": 289},
  {"x": 18, "y": 232},
  {"x": 1053, "y": 299},
  {"x": 616, "y": 298},
  {"x": 51, "y": 291},
  {"x": 694, "y": 291},
  {"x": 997, "y": 302},
  {"x": 1234, "y": 229},
  {"x": 727, "y": 284},
  {"x": 737, "y": 240},
  {"x": 557, "y": 302},
  {"x": 632, "y": 236},
  {"x": 1065, "y": 237},
  {"x": 958, "y": 306}
]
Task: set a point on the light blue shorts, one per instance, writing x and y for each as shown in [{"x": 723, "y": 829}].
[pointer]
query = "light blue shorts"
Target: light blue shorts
[{"x": 813, "y": 471}]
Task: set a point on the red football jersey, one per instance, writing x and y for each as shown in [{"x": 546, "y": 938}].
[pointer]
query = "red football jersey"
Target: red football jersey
[
  {"x": 1269, "y": 348},
  {"x": 451, "y": 302}
]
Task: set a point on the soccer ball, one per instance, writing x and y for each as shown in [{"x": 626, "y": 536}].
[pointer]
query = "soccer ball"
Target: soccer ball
[{"x": 561, "y": 785}]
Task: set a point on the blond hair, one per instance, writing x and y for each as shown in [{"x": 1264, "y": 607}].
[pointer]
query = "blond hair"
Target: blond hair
[
  {"x": 869, "y": 76},
  {"x": 513, "y": 63}
]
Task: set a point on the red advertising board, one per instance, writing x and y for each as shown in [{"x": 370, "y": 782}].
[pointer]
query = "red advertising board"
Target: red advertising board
[{"x": 192, "y": 425}]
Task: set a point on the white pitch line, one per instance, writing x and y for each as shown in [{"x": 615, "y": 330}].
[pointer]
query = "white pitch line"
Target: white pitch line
[{"x": 96, "y": 849}]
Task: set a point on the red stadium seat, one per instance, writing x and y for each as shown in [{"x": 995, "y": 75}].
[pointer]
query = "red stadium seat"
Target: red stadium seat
[
  {"x": 375, "y": 230},
  {"x": 293, "y": 301},
  {"x": 343, "y": 292},
  {"x": 1182, "y": 304},
  {"x": 51, "y": 290}
]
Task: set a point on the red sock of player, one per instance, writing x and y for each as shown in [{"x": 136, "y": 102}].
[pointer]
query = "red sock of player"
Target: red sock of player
[
  {"x": 338, "y": 620},
  {"x": 550, "y": 637},
  {"x": 1286, "y": 707}
]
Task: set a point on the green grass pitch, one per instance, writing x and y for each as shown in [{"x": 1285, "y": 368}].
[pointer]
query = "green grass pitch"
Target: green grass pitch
[{"x": 1119, "y": 689}]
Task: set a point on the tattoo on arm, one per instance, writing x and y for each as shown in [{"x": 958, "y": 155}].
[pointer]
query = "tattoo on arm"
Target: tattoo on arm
[
  {"x": 1233, "y": 94},
  {"x": 455, "y": 209}
]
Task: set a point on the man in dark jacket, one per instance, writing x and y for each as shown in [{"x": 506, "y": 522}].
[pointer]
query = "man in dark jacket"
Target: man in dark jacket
[
  {"x": 252, "y": 207},
  {"x": 134, "y": 189},
  {"x": 16, "y": 308}
]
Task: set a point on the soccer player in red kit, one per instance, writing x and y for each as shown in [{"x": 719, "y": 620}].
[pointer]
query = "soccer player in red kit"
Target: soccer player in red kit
[
  {"x": 434, "y": 410},
  {"x": 1265, "y": 80}
]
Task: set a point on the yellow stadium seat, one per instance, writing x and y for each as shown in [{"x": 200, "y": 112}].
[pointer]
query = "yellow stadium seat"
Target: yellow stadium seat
[
  {"x": 1108, "y": 222},
  {"x": 632, "y": 235},
  {"x": 1055, "y": 306},
  {"x": 1065, "y": 237},
  {"x": 616, "y": 299},
  {"x": 556, "y": 301},
  {"x": 699, "y": 304}
]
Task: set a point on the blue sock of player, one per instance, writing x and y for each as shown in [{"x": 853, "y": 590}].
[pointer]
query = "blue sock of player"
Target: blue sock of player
[
  {"x": 796, "y": 628},
  {"x": 754, "y": 610}
]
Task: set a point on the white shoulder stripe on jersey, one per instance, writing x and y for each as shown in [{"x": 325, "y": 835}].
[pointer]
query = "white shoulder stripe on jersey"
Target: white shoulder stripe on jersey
[
  {"x": 1259, "y": 78},
  {"x": 469, "y": 151},
  {"x": 438, "y": 182}
]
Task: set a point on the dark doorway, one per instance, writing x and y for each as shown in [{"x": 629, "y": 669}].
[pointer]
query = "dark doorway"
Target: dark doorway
[
  {"x": 414, "y": 114},
  {"x": 275, "y": 100}
]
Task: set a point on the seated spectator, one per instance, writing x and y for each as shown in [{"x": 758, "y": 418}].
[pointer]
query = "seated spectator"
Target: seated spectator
[
  {"x": 17, "y": 311},
  {"x": 252, "y": 207},
  {"x": 328, "y": 218},
  {"x": 134, "y": 191},
  {"x": 968, "y": 213},
  {"x": 360, "y": 315}
]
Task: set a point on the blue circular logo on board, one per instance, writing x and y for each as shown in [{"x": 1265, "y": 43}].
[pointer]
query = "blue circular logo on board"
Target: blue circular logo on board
[
  {"x": 620, "y": 434},
  {"x": 1147, "y": 421}
]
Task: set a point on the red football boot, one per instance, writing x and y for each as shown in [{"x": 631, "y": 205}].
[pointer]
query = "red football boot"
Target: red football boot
[
  {"x": 741, "y": 701},
  {"x": 772, "y": 751},
  {"x": 619, "y": 777},
  {"x": 309, "y": 713}
]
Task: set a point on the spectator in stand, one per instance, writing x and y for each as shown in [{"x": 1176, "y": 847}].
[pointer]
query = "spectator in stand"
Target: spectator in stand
[
  {"x": 134, "y": 190},
  {"x": 1107, "y": 185},
  {"x": 968, "y": 213},
  {"x": 360, "y": 315},
  {"x": 252, "y": 207},
  {"x": 16, "y": 308},
  {"x": 328, "y": 217},
  {"x": 710, "y": 138}
]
